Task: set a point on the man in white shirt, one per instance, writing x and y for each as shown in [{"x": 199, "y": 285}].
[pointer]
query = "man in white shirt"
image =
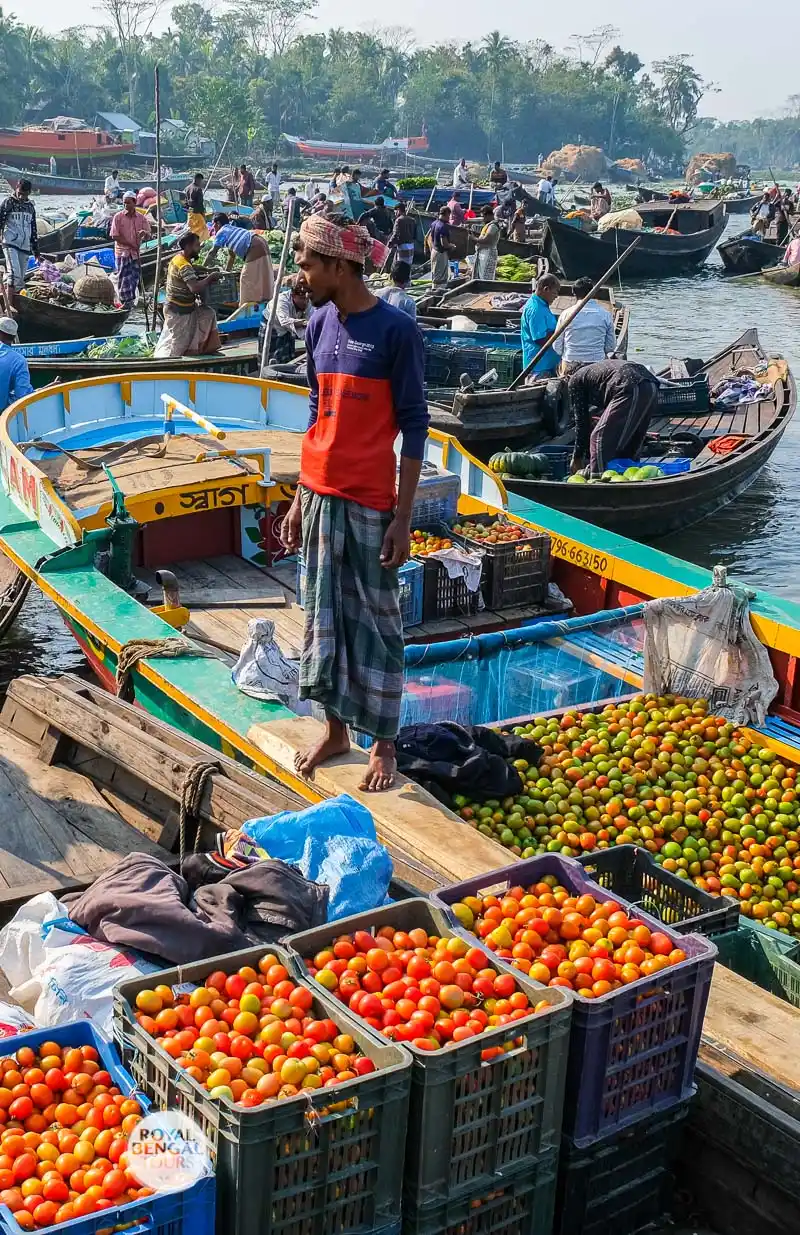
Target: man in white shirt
[
  {"x": 589, "y": 336},
  {"x": 112, "y": 187},
  {"x": 546, "y": 190},
  {"x": 53, "y": 165},
  {"x": 274, "y": 188},
  {"x": 461, "y": 175}
]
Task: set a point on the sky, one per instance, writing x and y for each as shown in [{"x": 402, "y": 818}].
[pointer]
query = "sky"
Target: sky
[{"x": 752, "y": 76}]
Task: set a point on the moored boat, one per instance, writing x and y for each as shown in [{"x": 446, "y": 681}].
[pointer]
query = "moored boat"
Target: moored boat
[
  {"x": 43, "y": 182},
  {"x": 694, "y": 230},
  {"x": 482, "y": 301},
  {"x": 782, "y": 276},
  {"x": 740, "y": 203},
  {"x": 722, "y": 449},
  {"x": 646, "y": 194},
  {"x": 747, "y": 254},
  {"x": 42, "y": 319},
  {"x": 60, "y": 239}
]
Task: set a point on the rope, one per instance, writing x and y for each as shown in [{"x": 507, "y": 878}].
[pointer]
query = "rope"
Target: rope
[
  {"x": 37, "y": 443},
  {"x": 143, "y": 649},
  {"x": 191, "y": 795}
]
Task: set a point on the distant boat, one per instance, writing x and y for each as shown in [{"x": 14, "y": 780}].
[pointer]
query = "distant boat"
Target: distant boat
[
  {"x": 355, "y": 150},
  {"x": 38, "y": 143},
  {"x": 43, "y": 182}
]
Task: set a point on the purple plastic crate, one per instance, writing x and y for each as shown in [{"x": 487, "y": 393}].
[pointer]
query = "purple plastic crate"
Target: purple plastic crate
[{"x": 633, "y": 1051}]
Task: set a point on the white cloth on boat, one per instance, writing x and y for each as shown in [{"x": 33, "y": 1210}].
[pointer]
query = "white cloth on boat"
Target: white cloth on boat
[
  {"x": 264, "y": 672},
  {"x": 461, "y": 564},
  {"x": 704, "y": 647}
]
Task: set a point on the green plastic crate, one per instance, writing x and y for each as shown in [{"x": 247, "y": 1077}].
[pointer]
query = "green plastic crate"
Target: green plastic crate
[
  {"x": 507, "y": 361},
  {"x": 765, "y": 957}
]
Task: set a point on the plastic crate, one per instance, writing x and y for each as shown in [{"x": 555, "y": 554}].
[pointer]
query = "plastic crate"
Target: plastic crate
[
  {"x": 558, "y": 458},
  {"x": 410, "y": 578},
  {"x": 443, "y": 597},
  {"x": 224, "y": 292},
  {"x": 632, "y": 1051},
  {"x": 670, "y": 467},
  {"x": 507, "y": 361},
  {"x": 287, "y": 1167},
  {"x": 753, "y": 1120},
  {"x": 189, "y": 1212},
  {"x": 515, "y": 573},
  {"x": 523, "y": 1206},
  {"x": 79, "y": 1033},
  {"x": 436, "y": 499},
  {"x": 765, "y": 957},
  {"x": 631, "y": 873},
  {"x": 622, "y": 1183},
  {"x": 472, "y": 1124},
  {"x": 689, "y": 393}
]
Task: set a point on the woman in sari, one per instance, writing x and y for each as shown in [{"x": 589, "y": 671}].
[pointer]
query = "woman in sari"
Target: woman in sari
[{"x": 486, "y": 245}]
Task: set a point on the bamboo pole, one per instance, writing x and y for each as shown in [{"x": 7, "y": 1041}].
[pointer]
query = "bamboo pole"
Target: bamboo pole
[
  {"x": 559, "y": 330},
  {"x": 159, "y": 227},
  {"x": 219, "y": 160},
  {"x": 273, "y": 308},
  {"x": 433, "y": 190}
]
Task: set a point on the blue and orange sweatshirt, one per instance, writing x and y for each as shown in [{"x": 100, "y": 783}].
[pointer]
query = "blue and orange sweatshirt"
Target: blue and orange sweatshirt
[{"x": 366, "y": 376}]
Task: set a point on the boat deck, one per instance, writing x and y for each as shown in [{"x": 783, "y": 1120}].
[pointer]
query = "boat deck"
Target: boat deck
[
  {"x": 155, "y": 463},
  {"x": 224, "y": 593},
  {"x": 240, "y": 351}
]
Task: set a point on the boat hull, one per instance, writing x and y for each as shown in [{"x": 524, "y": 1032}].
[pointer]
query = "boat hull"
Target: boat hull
[
  {"x": 40, "y": 321},
  {"x": 743, "y": 255},
  {"x": 66, "y": 145},
  {"x": 783, "y": 276},
  {"x": 578, "y": 253},
  {"x": 43, "y": 182},
  {"x": 740, "y": 205}
]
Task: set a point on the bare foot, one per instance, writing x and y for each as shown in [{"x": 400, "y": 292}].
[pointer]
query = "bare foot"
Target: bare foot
[
  {"x": 382, "y": 768},
  {"x": 334, "y": 742}
]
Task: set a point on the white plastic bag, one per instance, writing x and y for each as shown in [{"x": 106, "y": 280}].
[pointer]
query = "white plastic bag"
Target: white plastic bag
[
  {"x": 58, "y": 972},
  {"x": 703, "y": 647},
  {"x": 263, "y": 672}
]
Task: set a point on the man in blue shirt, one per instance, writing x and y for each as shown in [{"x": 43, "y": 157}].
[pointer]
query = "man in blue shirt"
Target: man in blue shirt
[
  {"x": 538, "y": 323},
  {"x": 15, "y": 379}
]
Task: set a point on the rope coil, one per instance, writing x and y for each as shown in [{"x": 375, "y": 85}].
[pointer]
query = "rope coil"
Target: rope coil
[
  {"x": 136, "y": 650},
  {"x": 191, "y": 795}
]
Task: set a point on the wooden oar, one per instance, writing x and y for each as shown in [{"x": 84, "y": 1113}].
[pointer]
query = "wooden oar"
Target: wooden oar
[
  {"x": 273, "y": 309},
  {"x": 559, "y": 330}
]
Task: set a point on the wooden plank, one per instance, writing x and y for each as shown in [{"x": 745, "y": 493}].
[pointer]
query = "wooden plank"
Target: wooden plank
[
  {"x": 752, "y": 422},
  {"x": 406, "y": 817},
  {"x": 223, "y": 580},
  {"x": 754, "y": 1026},
  {"x": 223, "y": 802}
]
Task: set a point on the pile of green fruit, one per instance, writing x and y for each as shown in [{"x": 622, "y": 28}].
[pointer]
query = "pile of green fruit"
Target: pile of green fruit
[
  {"x": 513, "y": 269},
  {"x": 707, "y": 802},
  {"x": 417, "y": 182},
  {"x": 647, "y": 472}
]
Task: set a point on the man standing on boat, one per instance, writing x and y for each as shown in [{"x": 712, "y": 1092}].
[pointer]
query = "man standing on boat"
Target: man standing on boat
[
  {"x": 457, "y": 215},
  {"x": 19, "y": 237},
  {"x": 537, "y": 325},
  {"x": 15, "y": 378},
  {"x": 128, "y": 230},
  {"x": 402, "y": 239},
  {"x": 189, "y": 328},
  {"x": 366, "y": 375},
  {"x": 588, "y": 336},
  {"x": 627, "y": 393},
  {"x": 441, "y": 247},
  {"x": 112, "y": 187},
  {"x": 498, "y": 177},
  {"x": 546, "y": 190},
  {"x": 247, "y": 186},
  {"x": 461, "y": 175},
  {"x": 256, "y": 281},
  {"x": 196, "y": 207}
]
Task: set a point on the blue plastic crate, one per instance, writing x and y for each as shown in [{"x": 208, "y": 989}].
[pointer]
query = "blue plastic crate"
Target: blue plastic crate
[
  {"x": 411, "y": 578},
  {"x": 437, "y": 495},
  {"x": 189, "y": 1212},
  {"x": 670, "y": 467},
  {"x": 79, "y": 1033}
]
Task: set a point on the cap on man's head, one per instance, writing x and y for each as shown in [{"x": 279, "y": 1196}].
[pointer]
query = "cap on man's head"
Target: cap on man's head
[
  {"x": 9, "y": 326},
  {"x": 130, "y": 196}
]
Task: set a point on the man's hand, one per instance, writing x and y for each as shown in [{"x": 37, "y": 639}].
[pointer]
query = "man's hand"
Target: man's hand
[
  {"x": 396, "y": 545},
  {"x": 291, "y": 529}
]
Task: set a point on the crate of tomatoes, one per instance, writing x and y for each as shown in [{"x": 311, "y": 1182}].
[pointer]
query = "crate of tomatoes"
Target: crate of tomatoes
[
  {"x": 305, "y": 1113},
  {"x": 444, "y": 595},
  {"x": 64, "y": 1135},
  {"x": 640, "y": 988},
  {"x": 489, "y": 1046},
  {"x": 517, "y": 561}
]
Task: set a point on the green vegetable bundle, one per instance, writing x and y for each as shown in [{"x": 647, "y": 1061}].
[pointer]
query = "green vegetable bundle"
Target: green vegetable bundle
[
  {"x": 513, "y": 269},
  {"x": 417, "y": 182},
  {"x": 124, "y": 347}
]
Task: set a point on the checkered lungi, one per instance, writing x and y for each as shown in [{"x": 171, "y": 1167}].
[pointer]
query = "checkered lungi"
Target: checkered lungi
[
  {"x": 353, "y": 652},
  {"x": 129, "y": 275}
]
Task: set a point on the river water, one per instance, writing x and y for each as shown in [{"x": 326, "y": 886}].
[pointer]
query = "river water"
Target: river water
[{"x": 756, "y": 536}]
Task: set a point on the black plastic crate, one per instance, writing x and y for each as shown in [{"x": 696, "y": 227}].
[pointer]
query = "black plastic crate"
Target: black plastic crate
[
  {"x": 444, "y": 365},
  {"x": 443, "y": 597},
  {"x": 691, "y": 394},
  {"x": 631, "y": 873},
  {"x": 523, "y": 1206},
  {"x": 514, "y": 573},
  {"x": 622, "y": 1182},
  {"x": 292, "y": 1167},
  {"x": 473, "y": 1124}
]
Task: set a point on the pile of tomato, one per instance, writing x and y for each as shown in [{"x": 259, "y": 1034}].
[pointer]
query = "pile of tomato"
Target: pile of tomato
[
  {"x": 64, "y": 1139},
  {"x": 419, "y": 988},
  {"x": 251, "y": 1037}
]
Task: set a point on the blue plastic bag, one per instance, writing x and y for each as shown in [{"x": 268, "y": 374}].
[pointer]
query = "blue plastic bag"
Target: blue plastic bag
[{"x": 333, "y": 842}]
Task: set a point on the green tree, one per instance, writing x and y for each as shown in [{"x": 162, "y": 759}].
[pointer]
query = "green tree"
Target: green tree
[{"x": 680, "y": 91}]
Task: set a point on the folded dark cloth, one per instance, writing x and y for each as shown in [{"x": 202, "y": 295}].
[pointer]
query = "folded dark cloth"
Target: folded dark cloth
[
  {"x": 450, "y": 759},
  {"x": 142, "y": 903}
]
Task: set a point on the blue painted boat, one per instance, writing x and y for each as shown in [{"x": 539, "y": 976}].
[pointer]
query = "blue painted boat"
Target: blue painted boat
[{"x": 441, "y": 196}]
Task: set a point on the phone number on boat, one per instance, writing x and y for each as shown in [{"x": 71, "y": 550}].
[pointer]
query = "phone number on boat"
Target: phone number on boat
[{"x": 578, "y": 554}]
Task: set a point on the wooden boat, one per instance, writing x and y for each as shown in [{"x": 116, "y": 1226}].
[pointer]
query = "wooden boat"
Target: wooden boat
[
  {"x": 40, "y": 319},
  {"x": 43, "y": 182},
  {"x": 40, "y": 142},
  {"x": 60, "y": 239},
  {"x": 747, "y": 254},
  {"x": 782, "y": 276},
  {"x": 650, "y": 509},
  {"x": 647, "y": 195},
  {"x": 473, "y": 299},
  {"x": 578, "y": 253},
  {"x": 740, "y": 203},
  {"x": 441, "y": 196}
]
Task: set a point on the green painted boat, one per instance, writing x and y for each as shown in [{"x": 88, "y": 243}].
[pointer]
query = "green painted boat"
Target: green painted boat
[{"x": 206, "y": 465}]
